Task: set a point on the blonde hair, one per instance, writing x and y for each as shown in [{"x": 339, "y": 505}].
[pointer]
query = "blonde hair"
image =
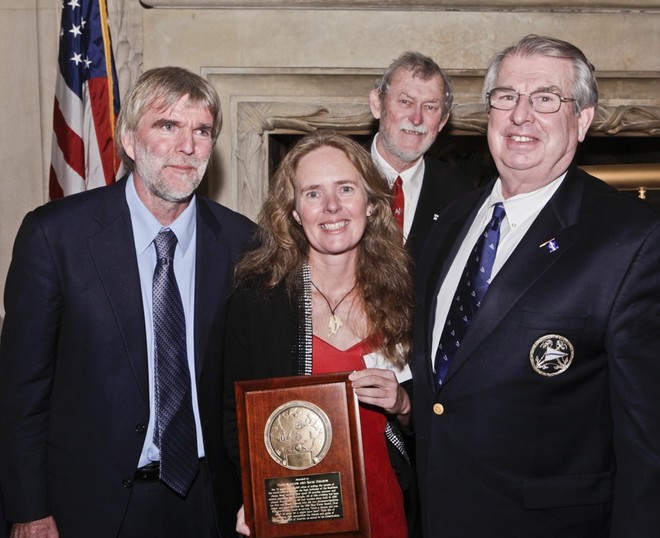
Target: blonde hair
[{"x": 162, "y": 88}]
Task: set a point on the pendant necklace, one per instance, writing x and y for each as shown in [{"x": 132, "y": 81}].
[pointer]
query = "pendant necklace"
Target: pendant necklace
[{"x": 335, "y": 322}]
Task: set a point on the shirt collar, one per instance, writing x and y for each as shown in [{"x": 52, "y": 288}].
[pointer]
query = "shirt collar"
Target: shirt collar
[
  {"x": 521, "y": 207},
  {"x": 388, "y": 171},
  {"x": 146, "y": 226}
]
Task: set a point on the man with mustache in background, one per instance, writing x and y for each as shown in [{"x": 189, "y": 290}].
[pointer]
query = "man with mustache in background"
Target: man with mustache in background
[{"x": 412, "y": 102}]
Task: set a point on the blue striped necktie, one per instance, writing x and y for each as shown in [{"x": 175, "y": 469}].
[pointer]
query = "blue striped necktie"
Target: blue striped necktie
[
  {"x": 469, "y": 294},
  {"x": 174, "y": 433}
]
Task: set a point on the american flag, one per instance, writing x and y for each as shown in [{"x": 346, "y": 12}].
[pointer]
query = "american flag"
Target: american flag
[{"x": 86, "y": 101}]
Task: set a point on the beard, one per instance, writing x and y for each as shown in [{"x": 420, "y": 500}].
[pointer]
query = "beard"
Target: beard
[
  {"x": 388, "y": 138},
  {"x": 153, "y": 171}
]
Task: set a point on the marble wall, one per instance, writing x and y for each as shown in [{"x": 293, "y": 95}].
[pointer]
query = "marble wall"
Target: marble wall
[
  {"x": 303, "y": 53},
  {"x": 21, "y": 127}
]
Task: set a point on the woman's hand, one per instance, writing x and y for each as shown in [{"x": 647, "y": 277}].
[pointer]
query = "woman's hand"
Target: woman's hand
[
  {"x": 241, "y": 526},
  {"x": 377, "y": 386}
]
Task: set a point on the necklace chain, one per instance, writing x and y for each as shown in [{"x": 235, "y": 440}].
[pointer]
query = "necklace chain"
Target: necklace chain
[{"x": 335, "y": 322}]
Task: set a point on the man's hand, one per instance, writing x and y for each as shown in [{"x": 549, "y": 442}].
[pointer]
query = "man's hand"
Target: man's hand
[
  {"x": 376, "y": 386},
  {"x": 41, "y": 528}
]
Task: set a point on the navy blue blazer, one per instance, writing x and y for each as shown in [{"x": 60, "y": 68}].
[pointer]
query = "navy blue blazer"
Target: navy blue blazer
[
  {"x": 506, "y": 452},
  {"x": 74, "y": 395}
]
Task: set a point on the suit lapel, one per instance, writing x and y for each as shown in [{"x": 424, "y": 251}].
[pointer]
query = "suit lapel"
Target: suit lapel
[
  {"x": 211, "y": 272},
  {"x": 424, "y": 210},
  {"x": 443, "y": 243},
  {"x": 431, "y": 201},
  {"x": 113, "y": 251},
  {"x": 526, "y": 265}
]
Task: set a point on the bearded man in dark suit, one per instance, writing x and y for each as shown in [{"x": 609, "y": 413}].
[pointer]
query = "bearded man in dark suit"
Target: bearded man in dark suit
[
  {"x": 79, "y": 455},
  {"x": 536, "y": 405}
]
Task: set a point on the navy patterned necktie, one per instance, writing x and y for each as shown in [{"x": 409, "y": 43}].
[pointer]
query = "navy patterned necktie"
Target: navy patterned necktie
[
  {"x": 174, "y": 433},
  {"x": 469, "y": 294}
]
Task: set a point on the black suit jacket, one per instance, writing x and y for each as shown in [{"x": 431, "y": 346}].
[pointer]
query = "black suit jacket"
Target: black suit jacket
[
  {"x": 505, "y": 452},
  {"x": 74, "y": 395},
  {"x": 442, "y": 184}
]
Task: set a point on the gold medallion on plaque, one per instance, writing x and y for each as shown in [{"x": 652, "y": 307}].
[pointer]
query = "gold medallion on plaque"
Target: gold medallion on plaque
[{"x": 298, "y": 434}]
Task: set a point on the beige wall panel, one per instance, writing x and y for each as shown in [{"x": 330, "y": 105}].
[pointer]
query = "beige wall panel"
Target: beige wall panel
[
  {"x": 281, "y": 63},
  {"x": 20, "y": 136},
  {"x": 613, "y": 41}
]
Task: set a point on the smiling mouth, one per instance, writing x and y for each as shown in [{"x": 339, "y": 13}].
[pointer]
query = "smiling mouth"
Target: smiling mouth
[
  {"x": 517, "y": 138},
  {"x": 409, "y": 131},
  {"x": 334, "y": 226}
]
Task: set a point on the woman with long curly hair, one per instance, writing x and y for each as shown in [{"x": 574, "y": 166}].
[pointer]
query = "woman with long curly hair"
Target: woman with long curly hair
[{"x": 328, "y": 289}]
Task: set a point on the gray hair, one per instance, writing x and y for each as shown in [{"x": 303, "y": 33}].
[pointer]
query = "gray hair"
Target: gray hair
[
  {"x": 162, "y": 88},
  {"x": 585, "y": 88},
  {"x": 422, "y": 67}
]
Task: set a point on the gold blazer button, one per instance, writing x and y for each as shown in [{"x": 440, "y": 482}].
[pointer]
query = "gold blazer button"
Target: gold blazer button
[{"x": 438, "y": 408}]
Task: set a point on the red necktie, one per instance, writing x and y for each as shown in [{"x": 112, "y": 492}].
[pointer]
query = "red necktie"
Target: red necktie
[{"x": 397, "y": 201}]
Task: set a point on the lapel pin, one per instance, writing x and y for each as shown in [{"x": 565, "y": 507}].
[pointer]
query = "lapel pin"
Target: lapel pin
[
  {"x": 551, "y": 355},
  {"x": 435, "y": 216},
  {"x": 550, "y": 244}
]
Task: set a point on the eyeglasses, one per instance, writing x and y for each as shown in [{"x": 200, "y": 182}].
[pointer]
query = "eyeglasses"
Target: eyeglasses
[{"x": 542, "y": 101}]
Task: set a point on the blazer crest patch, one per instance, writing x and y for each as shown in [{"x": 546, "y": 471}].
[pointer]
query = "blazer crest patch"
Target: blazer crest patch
[{"x": 551, "y": 355}]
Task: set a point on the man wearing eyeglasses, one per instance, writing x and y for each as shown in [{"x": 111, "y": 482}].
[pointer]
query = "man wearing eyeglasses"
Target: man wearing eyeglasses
[{"x": 536, "y": 363}]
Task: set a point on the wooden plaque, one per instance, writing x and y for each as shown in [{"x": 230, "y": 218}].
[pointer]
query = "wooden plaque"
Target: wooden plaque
[{"x": 302, "y": 465}]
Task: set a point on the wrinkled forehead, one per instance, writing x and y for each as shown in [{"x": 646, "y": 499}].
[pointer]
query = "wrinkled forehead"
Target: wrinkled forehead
[
  {"x": 525, "y": 73},
  {"x": 415, "y": 80},
  {"x": 167, "y": 105},
  {"x": 182, "y": 110}
]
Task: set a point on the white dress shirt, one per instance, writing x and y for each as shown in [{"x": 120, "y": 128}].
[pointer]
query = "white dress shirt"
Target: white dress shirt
[{"x": 411, "y": 179}]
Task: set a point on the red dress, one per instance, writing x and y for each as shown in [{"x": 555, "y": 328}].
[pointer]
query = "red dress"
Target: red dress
[{"x": 384, "y": 496}]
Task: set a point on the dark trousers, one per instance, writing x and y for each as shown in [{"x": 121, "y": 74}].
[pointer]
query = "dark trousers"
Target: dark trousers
[
  {"x": 4, "y": 524},
  {"x": 155, "y": 511}
]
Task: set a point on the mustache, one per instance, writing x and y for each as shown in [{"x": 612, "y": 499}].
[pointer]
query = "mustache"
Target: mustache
[
  {"x": 419, "y": 129},
  {"x": 193, "y": 162}
]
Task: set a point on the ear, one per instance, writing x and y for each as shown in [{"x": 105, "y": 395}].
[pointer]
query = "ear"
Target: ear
[
  {"x": 370, "y": 210},
  {"x": 374, "y": 103},
  {"x": 443, "y": 122},
  {"x": 296, "y": 217},
  {"x": 127, "y": 142},
  {"x": 585, "y": 117}
]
